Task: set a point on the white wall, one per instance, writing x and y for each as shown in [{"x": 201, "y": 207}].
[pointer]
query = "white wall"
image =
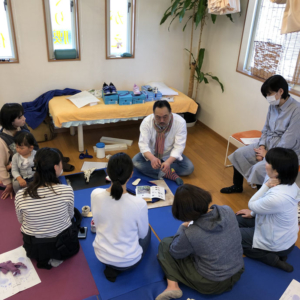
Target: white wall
[
  {"x": 159, "y": 53},
  {"x": 241, "y": 107}
]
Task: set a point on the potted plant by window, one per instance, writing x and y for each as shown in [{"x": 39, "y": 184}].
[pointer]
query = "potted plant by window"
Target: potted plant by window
[{"x": 198, "y": 13}]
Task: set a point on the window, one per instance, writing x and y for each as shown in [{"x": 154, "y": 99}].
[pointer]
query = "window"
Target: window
[
  {"x": 267, "y": 52},
  {"x": 61, "y": 19},
  {"x": 120, "y": 16},
  {"x": 8, "y": 45}
]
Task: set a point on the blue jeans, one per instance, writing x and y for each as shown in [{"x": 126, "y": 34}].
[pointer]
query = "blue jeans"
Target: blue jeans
[{"x": 182, "y": 168}]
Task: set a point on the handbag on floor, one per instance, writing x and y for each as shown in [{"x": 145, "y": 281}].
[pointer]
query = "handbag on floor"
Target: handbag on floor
[{"x": 45, "y": 131}]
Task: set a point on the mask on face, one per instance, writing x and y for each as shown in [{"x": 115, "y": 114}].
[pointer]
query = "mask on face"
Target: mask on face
[
  {"x": 272, "y": 100},
  {"x": 62, "y": 170}
]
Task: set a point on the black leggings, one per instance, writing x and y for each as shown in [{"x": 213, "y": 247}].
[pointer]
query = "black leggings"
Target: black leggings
[{"x": 238, "y": 179}]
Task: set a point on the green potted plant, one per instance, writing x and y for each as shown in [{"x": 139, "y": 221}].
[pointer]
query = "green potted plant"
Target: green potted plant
[{"x": 198, "y": 13}]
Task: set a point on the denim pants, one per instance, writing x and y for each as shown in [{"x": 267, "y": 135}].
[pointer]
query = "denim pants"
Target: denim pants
[
  {"x": 182, "y": 168},
  {"x": 247, "y": 231}
]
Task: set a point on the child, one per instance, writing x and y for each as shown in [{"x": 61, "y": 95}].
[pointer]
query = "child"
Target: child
[
  {"x": 22, "y": 161},
  {"x": 122, "y": 231}
]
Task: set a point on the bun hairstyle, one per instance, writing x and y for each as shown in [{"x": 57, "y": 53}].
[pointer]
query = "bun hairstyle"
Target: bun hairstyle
[{"x": 119, "y": 170}]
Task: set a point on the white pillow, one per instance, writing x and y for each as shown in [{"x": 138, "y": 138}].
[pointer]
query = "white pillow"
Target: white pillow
[{"x": 163, "y": 88}]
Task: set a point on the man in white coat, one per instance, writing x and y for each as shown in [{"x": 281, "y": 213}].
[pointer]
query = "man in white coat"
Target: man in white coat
[{"x": 162, "y": 142}]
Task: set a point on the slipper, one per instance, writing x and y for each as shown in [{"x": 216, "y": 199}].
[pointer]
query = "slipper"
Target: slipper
[
  {"x": 66, "y": 159},
  {"x": 86, "y": 155},
  {"x": 68, "y": 167}
]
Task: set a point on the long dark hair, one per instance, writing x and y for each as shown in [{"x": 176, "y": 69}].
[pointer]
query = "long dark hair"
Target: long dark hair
[
  {"x": 44, "y": 176},
  {"x": 119, "y": 170}
]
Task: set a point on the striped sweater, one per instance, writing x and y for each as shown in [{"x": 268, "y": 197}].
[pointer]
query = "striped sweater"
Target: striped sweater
[{"x": 48, "y": 216}]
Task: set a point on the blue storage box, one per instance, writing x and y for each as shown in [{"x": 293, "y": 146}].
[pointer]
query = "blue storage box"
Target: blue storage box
[
  {"x": 125, "y": 98},
  {"x": 138, "y": 99},
  {"x": 145, "y": 87},
  {"x": 149, "y": 96},
  {"x": 157, "y": 96},
  {"x": 111, "y": 99}
]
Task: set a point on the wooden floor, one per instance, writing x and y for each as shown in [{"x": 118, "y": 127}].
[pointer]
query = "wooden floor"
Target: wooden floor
[{"x": 204, "y": 148}]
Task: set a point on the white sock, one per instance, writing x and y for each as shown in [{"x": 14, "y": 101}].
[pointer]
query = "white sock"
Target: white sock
[{"x": 54, "y": 262}]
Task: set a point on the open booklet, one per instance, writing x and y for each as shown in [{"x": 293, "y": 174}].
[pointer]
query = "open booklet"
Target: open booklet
[{"x": 149, "y": 192}]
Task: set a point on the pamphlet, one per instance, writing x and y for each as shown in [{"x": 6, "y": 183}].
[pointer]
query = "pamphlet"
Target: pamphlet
[{"x": 149, "y": 192}]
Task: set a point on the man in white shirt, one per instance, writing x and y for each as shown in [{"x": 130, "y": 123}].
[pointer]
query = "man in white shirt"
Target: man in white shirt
[{"x": 162, "y": 142}]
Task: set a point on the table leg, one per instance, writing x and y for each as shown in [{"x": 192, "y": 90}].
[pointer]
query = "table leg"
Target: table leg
[
  {"x": 72, "y": 130},
  {"x": 80, "y": 138}
]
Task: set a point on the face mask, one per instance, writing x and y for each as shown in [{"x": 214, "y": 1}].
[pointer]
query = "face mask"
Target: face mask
[
  {"x": 62, "y": 170},
  {"x": 272, "y": 100}
]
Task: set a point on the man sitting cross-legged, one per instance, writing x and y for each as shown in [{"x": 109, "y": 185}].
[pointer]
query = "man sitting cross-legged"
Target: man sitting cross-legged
[{"x": 162, "y": 141}]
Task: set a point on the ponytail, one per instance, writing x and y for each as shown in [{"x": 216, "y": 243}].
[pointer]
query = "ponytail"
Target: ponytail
[{"x": 119, "y": 170}]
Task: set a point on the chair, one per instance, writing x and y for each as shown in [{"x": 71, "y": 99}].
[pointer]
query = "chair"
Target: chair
[{"x": 237, "y": 137}]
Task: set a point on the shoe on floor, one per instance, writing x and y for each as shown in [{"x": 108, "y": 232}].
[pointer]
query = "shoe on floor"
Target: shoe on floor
[
  {"x": 106, "y": 89},
  {"x": 283, "y": 265},
  {"x": 232, "y": 189},
  {"x": 112, "y": 88},
  {"x": 136, "y": 90},
  {"x": 166, "y": 295}
]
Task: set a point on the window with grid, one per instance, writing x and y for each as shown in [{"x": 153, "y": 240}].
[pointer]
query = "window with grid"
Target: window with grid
[
  {"x": 61, "y": 18},
  {"x": 269, "y": 52},
  {"x": 8, "y": 45}
]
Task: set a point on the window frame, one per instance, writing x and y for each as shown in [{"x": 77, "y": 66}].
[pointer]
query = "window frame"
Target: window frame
[
  {"x": 47, "y": 32},
  {"x": 12, "y": 37},
  {"x": 250, "y": 24},
  {"x": 133, "y": 21}
]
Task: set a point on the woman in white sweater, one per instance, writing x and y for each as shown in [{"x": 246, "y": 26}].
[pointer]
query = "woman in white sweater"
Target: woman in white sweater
[
  {"x": 121, "y": 220},
  {"x": 269, "y": 228}
]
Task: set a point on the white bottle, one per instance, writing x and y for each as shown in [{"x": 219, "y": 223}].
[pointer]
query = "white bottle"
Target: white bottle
[{"x": 100, "y": 150}]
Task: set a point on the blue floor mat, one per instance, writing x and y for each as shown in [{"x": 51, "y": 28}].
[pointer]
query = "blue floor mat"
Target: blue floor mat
[
  {"x": 259, "y": 281},
  {"x": 147, "y": 272}
]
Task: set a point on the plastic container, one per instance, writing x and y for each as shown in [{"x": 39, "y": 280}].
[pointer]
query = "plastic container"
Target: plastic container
[{"x": 100, "y": 150}]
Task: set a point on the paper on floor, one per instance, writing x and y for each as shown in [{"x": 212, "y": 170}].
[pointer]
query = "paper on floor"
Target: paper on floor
[
  {"x": 93, "y": 164},
  {"x": 292, "y": 292},
  {"x": 11, "y": 285},
  {"x": 248, "y": 141},
  {"x": 82, "y": 99}
]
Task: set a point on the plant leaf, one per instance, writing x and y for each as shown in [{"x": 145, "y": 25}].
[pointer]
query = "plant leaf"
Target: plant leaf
[
  {"x": 205, "y": 80},
  {"x": 213, "y": 18},
  {"x": 201, "y": 77},
  {"x": 217, "y": 79},
  {"x": 185, "y": 5},
  {"x": 173, "y": 20},
  {"x": 201, "y": 12},
  {"x": 200, "y": 58},
  {"x": 191, "y": 54},
  {"x": 186, "y": 23},
  {"x": 165, "y": 17},
  {"x": 175, "y": 4},
  {"x": 230, "y": 17}
]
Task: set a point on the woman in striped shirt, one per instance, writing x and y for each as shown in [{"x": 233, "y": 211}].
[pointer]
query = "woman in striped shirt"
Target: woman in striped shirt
[{"x": 46, "y": 211}]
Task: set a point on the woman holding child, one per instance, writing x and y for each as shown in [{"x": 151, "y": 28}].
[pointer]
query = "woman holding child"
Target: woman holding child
[
  {"x": 205, "y": 253},
  {"x": 121, "y": 220},
  {"x": 12, "y": 121}
]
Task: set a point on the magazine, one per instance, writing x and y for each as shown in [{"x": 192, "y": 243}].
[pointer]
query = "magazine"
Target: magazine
[{"x": 149, "y": 192}]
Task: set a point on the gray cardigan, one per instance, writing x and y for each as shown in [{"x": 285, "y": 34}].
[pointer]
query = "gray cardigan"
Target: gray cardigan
[
  {"x": 17, "y": 169},
  {"x": 214, "y": 242}
]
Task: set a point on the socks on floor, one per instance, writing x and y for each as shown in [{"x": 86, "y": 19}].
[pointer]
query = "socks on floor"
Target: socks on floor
[
  {"x": 283, "y": 265},
  {"x": 173, "y": 176},
  {"x": 166, "y": 295},
  {"x": 55, "y": 262}
]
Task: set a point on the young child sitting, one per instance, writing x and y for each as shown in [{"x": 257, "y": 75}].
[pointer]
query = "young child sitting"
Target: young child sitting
[{"x": 22, "y": 161}]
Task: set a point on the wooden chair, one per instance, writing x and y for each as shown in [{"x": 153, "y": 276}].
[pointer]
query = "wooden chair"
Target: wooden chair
[{"x": 237, "y": 137}]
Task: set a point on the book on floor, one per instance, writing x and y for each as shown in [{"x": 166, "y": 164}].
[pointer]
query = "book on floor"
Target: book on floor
[{"x": 150, "y": 192}]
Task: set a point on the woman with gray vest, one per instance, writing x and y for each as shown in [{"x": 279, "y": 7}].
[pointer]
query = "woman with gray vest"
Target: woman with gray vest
[{"x": 205, "y": 253}]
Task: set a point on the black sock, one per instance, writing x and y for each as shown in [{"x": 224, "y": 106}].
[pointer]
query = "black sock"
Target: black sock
[{"x": 111, "y": 274}]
